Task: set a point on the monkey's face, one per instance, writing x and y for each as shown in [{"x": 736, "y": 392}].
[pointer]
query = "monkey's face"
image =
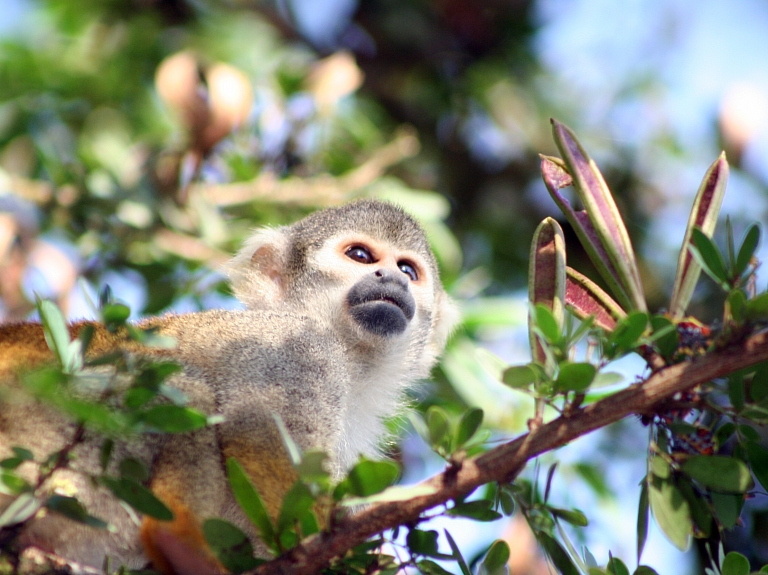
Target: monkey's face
[{"x": 381, "y": 286}]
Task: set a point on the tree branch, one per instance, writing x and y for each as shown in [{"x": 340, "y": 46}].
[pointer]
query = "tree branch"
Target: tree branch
[{"x": 505, "y": 462}]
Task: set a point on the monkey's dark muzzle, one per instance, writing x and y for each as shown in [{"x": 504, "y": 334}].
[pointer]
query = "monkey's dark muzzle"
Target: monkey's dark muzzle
[{"x": 381, "y": 306}]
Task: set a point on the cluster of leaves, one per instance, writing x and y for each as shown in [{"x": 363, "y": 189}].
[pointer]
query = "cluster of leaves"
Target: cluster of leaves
[
  {"x": 315, "y": 499},
  {"x": 116, "y": 395},
  {"x": 704, "y": 447}
]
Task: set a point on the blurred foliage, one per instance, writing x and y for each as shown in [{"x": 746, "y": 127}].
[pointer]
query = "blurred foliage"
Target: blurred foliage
[{"x": 113, "y": 173}]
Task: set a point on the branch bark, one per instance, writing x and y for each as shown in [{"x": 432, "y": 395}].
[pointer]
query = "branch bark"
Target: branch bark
[{"x": 505, "y": 462}]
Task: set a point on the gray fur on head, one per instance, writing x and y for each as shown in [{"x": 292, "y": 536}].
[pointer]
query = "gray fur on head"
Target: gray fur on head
[{"x": 288, "y": 247}]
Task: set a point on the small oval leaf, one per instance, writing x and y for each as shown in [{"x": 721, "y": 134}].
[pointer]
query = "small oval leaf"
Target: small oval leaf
[
  {"x": 575, "y": 376},
  {"x": 709, "y": 257},
  {"x": 735, "y": 564},
  {"x": 747, "y": 249},
  {"x": 519, "y": 376},
  {"x": 437, "y": 423},
  {"x": 671, "y": 511},
  {"x": 497, "y": 556},
  {"x": 73, "y": 509},
  {"x": 230, "y": 545},
  {"x": 250, "y": 501},
  {"x": 718, "y": 472},
  {"x": 371, "y": 477},
  {"x": 468, "y": 426},
  {"x": 138, "y": 497},
  {"x": 174, "y": 419}
]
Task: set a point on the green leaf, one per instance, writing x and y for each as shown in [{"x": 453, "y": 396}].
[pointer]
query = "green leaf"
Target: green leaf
[
  {"x": 73, "y": 509},
  {"x": 230, "y": 545},
  {"x": 479, "y": 510},
  {"x": 519, "y": 376},
  {"x": 250, "y": 502},
  {"x": 724, "y": 433},
  {"x": 173, "y": 419},
  {"x": 616, "y": 567},
  {"x": 419, "y": 425},
  {"x": 137, "y": 397},
  {"x": 736, "y": 390},
  {"x": 115, "y": 314},
  {"x": 421, "y": 542},
  {"x": 371, "y": 477},
  {"x": 671, "y": 511},
  {"x": 429, "y": 567},
  {"x": 747, "y": 249},
  {"x": 727, "y": 507},
  {"x": 506, "y": 502},
  {"x": 575, "y": 376},
  {"x": 701, "y": 515},
  {"x": 21, "y": 509},
  {"x": 759, "y": 388},
  {"x": 133, "y": 469},
  {"x": 138, "y": 497},
  {"x": 596, "y": 478},
  {"x": 642, "y": 518},
  {"x": 557, "y": 554},
  {"x": 468, "y": 425},
  {"x": 628, "y": 331},
  {"x": 457, "y": 554},
  {"x": 297, "y": 508},
  {"x": 665, "y": 336},
  {"x": 152, "y": 375},
  {"x": 105, "y": 453},
  {"x": 495, "y": 560},
  {"x": 56, "y": 332},
  {"x": 12, "y": 484},
  {"x": 572, "y": 516},
  {"x": 437, "y": 423},
  {"x": 735, "y": 564},
  {"x": 718, "y": 472},
  {"x": 11, "y": 463},
  {"x": 709, "y": 257},
  {"x": 706, "y": 207},
  {"x": 22, "y": 453},
  {"x": 757, "y": 308},
  {"x": 749, "y": 432},
  {"x": 758, "y": 461},
  {"x": 737, "y": 304},
  {"x": 607, "y": 378},
  {"x": 645, "y": 570},
  {"x": 659, "y": 467},
  {"x": 314, "y": 466},
  {"x": 548, "y": 324}
]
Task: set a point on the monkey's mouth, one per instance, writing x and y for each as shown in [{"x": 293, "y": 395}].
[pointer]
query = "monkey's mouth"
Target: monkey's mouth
[{"x": 384, "y": 311}]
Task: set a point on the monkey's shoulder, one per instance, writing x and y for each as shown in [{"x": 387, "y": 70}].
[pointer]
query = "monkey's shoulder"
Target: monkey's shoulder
[
  {"x": 257, "y": 328},
  {"x": 261, "y": 343}
]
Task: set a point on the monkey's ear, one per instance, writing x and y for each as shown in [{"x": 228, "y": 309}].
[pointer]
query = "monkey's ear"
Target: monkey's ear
[
  {"x": 257, "y": 272},
  {"x": 447, "y": 317}
]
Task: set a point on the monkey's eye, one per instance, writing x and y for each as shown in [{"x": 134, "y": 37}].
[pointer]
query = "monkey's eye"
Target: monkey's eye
[
  {"x": 359, "y": 254},
  {"x": 408, "y": 270}
]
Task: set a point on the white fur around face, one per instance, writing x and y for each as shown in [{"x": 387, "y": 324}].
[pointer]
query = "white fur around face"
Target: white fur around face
[{"x": 380, "y": 368}]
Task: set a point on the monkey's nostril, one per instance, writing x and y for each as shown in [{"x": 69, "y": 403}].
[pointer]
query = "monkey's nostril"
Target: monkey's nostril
[{"x": 378, "y": 273}]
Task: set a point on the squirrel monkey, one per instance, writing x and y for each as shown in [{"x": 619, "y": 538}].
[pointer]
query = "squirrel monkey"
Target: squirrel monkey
[{"x": 344, "y": 309}]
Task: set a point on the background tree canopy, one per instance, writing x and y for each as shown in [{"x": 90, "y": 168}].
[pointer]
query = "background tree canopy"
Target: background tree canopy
[{"x": 140, "y": 141}]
